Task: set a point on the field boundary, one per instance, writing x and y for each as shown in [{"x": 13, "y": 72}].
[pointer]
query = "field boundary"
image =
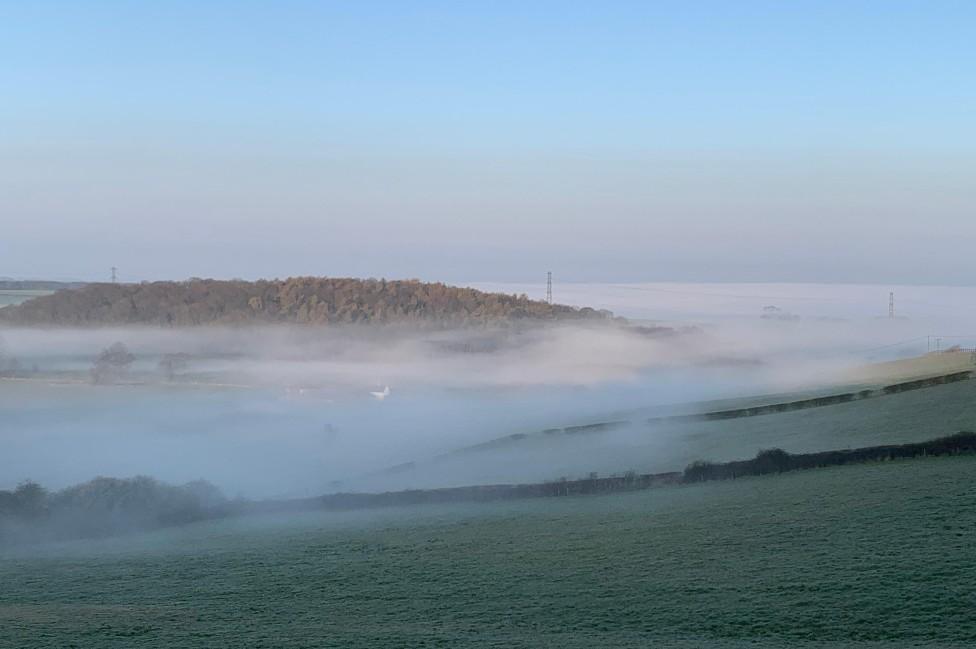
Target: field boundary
[
  {"x": 714, "y": 415},
  {"x": 819, "y": 402},
  {"x": 773, "y": 461},
  {"x": 779, "y": 461},
  {"x": 766, "y": 462}
]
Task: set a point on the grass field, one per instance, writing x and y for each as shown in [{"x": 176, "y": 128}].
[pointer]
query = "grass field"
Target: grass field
[
  {"x": 876, "y": 555},
  {"x": 18, "y": 296},
  {"x": 901, "y": 418}
]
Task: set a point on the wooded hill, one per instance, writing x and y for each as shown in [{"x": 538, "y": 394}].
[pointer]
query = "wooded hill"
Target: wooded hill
[{"x": 298, "y": 300}]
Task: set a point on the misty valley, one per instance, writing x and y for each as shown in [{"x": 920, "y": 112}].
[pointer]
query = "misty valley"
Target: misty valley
[
  {"x": 285, "y": 412},
  {"x": 428, "y": 442},
  {"x": 511, "y": 325}
]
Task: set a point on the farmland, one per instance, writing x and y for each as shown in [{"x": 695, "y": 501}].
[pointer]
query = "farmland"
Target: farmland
[
  {"x": 879, "y": 553},
  {"x": 16, "y": 296},
  {"x": 266, "y": 443},
  {"x": 910, "y": 416}
]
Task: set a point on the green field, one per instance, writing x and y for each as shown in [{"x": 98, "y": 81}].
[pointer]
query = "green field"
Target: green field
[
  {"x": 877, "y": 555},
  {"x": 913, "y": 416},
  {"x": 17, "y": 296}
]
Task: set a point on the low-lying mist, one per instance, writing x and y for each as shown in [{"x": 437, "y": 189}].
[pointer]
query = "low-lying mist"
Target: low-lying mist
[{"x": 298, "y": 411}]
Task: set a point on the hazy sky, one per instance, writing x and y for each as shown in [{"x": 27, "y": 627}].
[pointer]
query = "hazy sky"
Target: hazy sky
[{"x": 464, "y": 141}]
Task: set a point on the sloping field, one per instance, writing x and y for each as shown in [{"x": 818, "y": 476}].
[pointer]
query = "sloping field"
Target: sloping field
[
  {"x": 875, "y": 555},
  {"x": 909, "y": 368},
  {"x": 891, "y": 419},
  {"x": 670, "y": 445}
]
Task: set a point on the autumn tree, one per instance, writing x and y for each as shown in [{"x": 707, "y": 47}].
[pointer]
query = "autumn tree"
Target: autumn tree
[{"x": 297, "y": 300}]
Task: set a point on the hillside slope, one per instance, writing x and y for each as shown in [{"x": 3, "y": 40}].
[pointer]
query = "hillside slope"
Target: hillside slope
[{"x": 299, "y": 300}]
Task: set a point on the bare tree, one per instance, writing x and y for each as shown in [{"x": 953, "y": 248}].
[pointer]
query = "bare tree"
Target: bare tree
[
  {"x": 13, "y": 368},
  {"x": 112, "y": 363},
  {"x": 9, "y": 365},
  {"x": 170, "y": 364}
]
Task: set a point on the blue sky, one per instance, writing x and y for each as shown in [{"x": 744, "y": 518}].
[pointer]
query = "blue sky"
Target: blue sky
[{"x": 775, "y": 141}]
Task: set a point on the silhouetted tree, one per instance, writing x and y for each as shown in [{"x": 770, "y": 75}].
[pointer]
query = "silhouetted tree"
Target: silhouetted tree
[
  {"x": 112, "y": 363},
  {"x": 30, "y": 499},
  {"x": 104, "y": 506},
  {"x": 170, "y": 364},
  {"x": 5, "y": 357},
  {"x": 699, "y": 470},
  {"x": 774, "y": 460},
  {"x": 12, "y": 368}
]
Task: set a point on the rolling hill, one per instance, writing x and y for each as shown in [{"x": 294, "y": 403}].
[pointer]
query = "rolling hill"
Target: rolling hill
[{"x": 297, "y": 300}]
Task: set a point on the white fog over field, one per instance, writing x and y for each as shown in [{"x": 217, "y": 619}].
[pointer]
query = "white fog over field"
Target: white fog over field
[{"x": 290, "y": 411}]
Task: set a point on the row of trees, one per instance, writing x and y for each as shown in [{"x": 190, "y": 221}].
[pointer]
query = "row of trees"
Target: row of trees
[
  {"x": 778, "y": 461},
  {"x": 109, "y": 366},
  {"x": 103, "y": 507},
  {"x": 301, "y": 300},
  {"x": 114, "y": 362}
]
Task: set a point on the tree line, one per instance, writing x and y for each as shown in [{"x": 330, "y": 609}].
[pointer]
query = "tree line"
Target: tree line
[
  {"x": 766, "y": 462},
  {"x": 106, "y": 506},
  {"x": 103, "y": 507},
  {"x": 111, "y": 365},
  {"x": 777, "y": 460},
  {"x": 298, "y": 300}
]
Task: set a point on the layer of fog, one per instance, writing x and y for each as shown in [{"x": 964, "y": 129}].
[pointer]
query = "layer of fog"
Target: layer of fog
[
  {"x": 947, "y": 310},
  {"x": 288, "y": 412}
]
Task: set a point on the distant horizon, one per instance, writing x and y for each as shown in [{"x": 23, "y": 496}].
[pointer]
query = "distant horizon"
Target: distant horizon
[{"x": 484, "y": 281}]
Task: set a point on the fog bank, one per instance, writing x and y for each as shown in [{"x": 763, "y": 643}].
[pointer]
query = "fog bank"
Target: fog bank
[{"x": 291, "y": 411}]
